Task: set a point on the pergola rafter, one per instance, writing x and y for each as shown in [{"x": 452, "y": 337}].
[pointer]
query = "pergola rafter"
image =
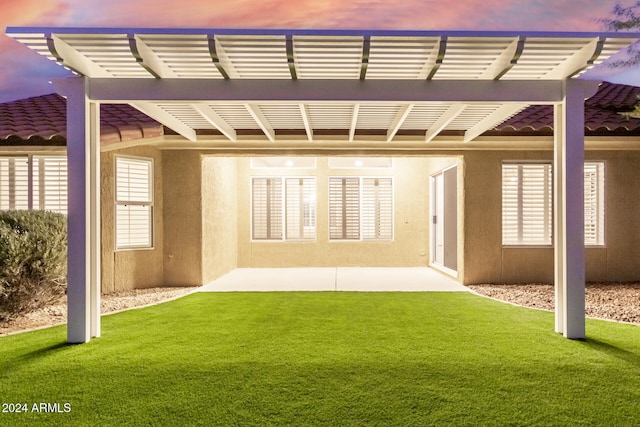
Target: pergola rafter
[{"x": 396, "y": 57}]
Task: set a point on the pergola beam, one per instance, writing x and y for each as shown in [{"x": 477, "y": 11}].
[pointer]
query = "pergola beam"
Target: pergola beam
[
  {"x": 498, "y": 116},
  {"x": 126, "y": 90},
  {"x": 506, "y": 61},
  {"x": 578, "y": 61},
  {"x": 442, "y": 122},
  {"x": 306, "y": 120},
  {"x": 354, "y": 122},
  {"x": 148, "y": 59},
  {"x": 157, "y": 113},
  {"x": 398, "y": 120},
  {"x": 261, "y": 121},
  {"x": 218, "y": 122},
  {"x": 72, "y": 59}
]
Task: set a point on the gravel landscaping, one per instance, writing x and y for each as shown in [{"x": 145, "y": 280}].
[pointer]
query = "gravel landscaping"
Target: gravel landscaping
[
  {"x": 109, "y": 303},
  {"x": 612, "y": 301}
]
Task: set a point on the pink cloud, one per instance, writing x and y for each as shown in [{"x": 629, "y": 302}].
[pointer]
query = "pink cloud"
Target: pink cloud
[
  {"x": 28, "y": 72},
  {"x": 571, "y": 15}
]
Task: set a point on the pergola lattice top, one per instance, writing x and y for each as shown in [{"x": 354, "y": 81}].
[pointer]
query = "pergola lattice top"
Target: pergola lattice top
[{"x": 311, "y": 55}]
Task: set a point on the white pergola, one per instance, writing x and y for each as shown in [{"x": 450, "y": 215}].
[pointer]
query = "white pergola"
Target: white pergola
[{"x": 266, "y": 85}]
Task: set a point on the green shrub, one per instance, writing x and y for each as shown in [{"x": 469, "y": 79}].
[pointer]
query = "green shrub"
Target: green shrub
[{"x": 33, "y": 260}]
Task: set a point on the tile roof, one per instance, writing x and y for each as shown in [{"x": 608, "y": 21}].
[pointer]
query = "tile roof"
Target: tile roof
[
  {"x": 602, "y": 114},
  {"x": 41, "y": 120}
]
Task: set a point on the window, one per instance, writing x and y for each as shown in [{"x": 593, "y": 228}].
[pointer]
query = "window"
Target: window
[
  {"x": 283, "y": 208},
  {"x": 300, "y": 208},
  {"x": 33, "y": 182},
  {"x": 594, "y": 203},
  {"x": 360, "y": 208},
  {"x": 344, "y": 208},
  {"x": 527, "y": 205},
  {"x": 134, "y": 203}
]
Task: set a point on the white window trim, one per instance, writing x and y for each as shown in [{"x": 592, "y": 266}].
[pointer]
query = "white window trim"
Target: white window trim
[
  {"x": 283, "y": 209},
  {"x": 151, "y": 204},
  {"x": 601, "y": 208},
  {"x": 360, "y": 210}
]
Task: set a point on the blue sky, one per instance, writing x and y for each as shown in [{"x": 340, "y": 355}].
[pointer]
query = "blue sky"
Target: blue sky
[{"x": 24, "y": 73}]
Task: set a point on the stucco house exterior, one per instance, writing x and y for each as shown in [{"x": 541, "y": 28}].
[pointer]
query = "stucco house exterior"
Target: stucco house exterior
[
  {"x": 471, "y": 152},
  {"x": 203, "y": 224}
]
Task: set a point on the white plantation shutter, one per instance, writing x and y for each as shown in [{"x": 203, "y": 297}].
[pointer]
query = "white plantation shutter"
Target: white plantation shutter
[
  {"x": 594, "y": 203},
  {"x": 133, "y": 180},
  {"x": 50, "y": 183},
  {"x": 266, "y": 208},
  {"x": 134, "y": 202},
  {"x": 527, "y": 207},
  {"x": 344, "y": 208},
  {"x": 527, "y": 204},
  {"x": 14, "y": 183},
  {"x": 4, "y": 183},
  {"x": 33, "y": 182},
  {"x": 511, "y": 206},
  {"x": 377, "y": 209},
  {"x": 300, "y": 206}
]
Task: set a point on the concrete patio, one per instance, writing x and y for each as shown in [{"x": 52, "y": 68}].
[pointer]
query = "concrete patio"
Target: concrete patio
[{"x": 358, "y": 279}]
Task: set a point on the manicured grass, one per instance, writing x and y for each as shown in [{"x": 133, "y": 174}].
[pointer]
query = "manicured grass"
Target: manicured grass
[{"x": 327, "y": 359}]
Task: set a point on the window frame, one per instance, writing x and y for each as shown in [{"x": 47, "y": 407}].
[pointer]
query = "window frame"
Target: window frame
[
  {"x": 520, "y": 243},
  {"x": 361, "y": 212},
  {"x": 601, "y": 208},
  {"x": 284, "y": 209},
  {"x": 36, "y": 185},
  {"x": 151, "y": 203}
]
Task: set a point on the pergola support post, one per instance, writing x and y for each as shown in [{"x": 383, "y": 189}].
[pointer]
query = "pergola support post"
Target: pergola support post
[
  {"x": 83, "y": 265},
  {"x": 568, "y": 236}
]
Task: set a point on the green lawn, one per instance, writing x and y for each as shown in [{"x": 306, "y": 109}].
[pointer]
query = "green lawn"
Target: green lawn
[{"x": 334, "y": 359}]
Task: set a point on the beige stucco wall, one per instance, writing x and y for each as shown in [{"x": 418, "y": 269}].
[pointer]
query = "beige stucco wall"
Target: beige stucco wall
[
  {"x": 183, "y": 218},
  {"x": 202, "y": 221},
  {"x": 410, "y": 246},
  {"x": 200, "y": 227},
  {"x": 487, "y": 261},
  {"x": 130, "y": 269},
  {"x": 219, "y": 219}
]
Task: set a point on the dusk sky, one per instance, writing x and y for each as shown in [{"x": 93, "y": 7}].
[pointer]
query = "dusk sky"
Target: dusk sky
[{"x": 24, "y": 73}]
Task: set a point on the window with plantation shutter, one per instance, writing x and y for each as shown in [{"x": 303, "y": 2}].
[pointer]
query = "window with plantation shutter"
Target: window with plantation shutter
[
  {"x": 14, "y": 183},
  {"x": 377, "y": 209},
  {"x": 527, "y": 204},
  {"x": 283, "y": 208},
  {"x": 267, "y": 208},
  {"x": 134, "y": 202},
  {"x": 300, "y": 207},
  {"x": 50, "y": 183},
  {"x": 33, "y": 182},
  {"x": 594, "y": 203},
  {"x": 360, "y": 208},
  {"x": 344, "y": 208}
]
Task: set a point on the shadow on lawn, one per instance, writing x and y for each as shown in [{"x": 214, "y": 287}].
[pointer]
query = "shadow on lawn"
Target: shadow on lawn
[
  {"x": 612, "y": 350},
  {"x": 40, "y": 353}
]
